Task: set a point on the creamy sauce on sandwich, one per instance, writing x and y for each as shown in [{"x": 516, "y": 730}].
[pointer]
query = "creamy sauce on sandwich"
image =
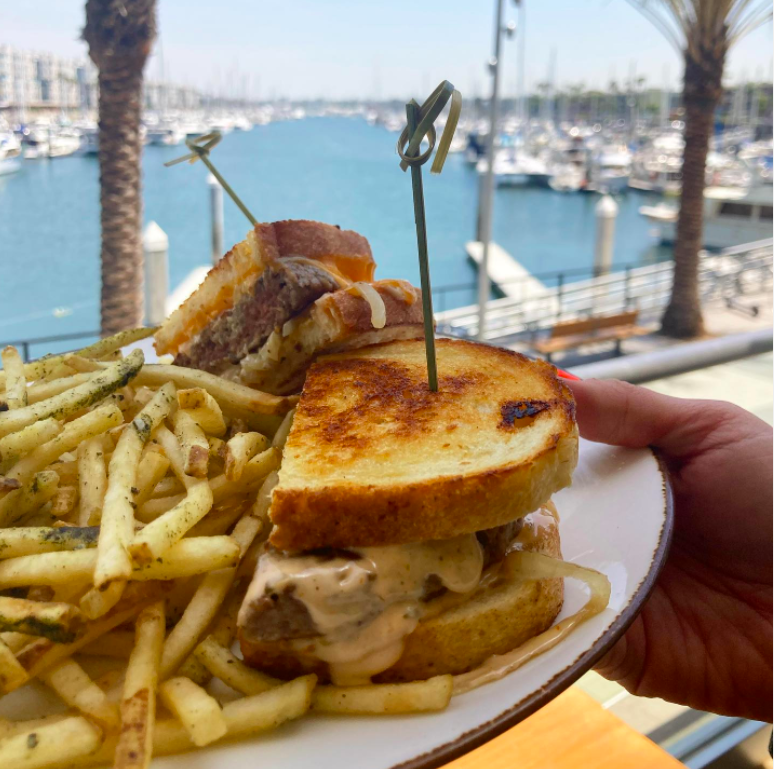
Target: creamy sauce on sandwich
[
  {"x": 538, "y": 566},
  {"x": 364, "y": 607}
]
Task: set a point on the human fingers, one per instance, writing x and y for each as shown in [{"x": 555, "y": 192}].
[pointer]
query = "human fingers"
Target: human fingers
[{"x": 621, "y": 414}]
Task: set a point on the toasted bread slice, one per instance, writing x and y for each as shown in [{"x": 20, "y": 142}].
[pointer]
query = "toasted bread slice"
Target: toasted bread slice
[
  {"x": 375, "y": 458},
  {"x": 234, "y": 275},
  {"x": 458, "y": 639},
  {"x": 337, "y": 321}
]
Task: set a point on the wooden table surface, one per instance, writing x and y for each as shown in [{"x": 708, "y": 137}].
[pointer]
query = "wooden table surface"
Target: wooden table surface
[{"x": 572, "y": 732}]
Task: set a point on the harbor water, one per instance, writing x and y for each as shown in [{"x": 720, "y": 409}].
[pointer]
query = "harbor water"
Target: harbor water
[{"x": 336, "y": 170}]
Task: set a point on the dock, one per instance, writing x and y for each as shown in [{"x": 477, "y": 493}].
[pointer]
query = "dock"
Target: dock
[{"x": 505, "y": 272}]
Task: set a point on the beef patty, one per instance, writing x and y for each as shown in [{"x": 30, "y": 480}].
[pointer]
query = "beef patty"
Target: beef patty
[
  {"x": 283, "y": 290},
  {"x": 282, "y": 617}
]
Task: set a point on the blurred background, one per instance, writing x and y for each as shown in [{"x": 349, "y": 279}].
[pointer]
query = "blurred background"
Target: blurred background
[{"x": 608, "y": 191}]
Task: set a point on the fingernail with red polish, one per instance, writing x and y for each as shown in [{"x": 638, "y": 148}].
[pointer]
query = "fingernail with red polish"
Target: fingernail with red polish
[{"x": 567, "y": 375}]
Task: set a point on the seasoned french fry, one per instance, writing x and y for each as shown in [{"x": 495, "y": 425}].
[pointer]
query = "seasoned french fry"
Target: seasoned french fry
[
  {"x": 63, "y": 742},
  {"x": 174, "y": 454},
  {"x": 415, "y": 697},
  {"x": 15, "y": 384},
  {"x": 253, "y": 475},
  {"x": 116, "y": 643},
  {"x": 197, "y": 711},
  {"x": 116, "y": 375},
  {"x": 8, "y": 484},
  {"x": 203, "y": 409},
  {"x": 42, "y": 653},
  {"x": 283, "y": 430},
  {"x": 117, "y": 526},
  {"x": 138, "y": 703},
  {"x": 81, "y": 364},
  {"x": 64, "y": 500},
  {"x": 33, "y": 496},
  {"x": 43, "y": 390},
  {"x": 68, "y": 470},
  {"x": 10, "y": 728},
  {"x": 231, "y": 670},
  {"x": 92, "y": 481},
  {"x": 70, "y": 681},
  {"x": 261, "y": 412},
  {"x": 111, "y": 344},
  {"x": 95, "y": 602},
  {"x": 193, "y": 442},
  {"x": 157, "y": 506},
  {"x": 30, "y": 540},
  {"x": 196, "y": 618},
  {"x": 167, "y": 486},
  {"x": 217, "y": 447},
  {"x": 190, "y": 556},
  {"x": 239, "y": 450},
  {"x": 81, "y": 429},
  {"x": 12, "y": 672},
  {"x": 222, "y": 517},
  {"x": 59, "y": 622},
  {"x": 16, "y": 641},
  {"x": 193, "y": 555},
  {"x": 57, "y": 372},
  {"x": 152, "y": 468},
  {"x": 157, "y": 537},
  {"x": 247, "y": 716}
]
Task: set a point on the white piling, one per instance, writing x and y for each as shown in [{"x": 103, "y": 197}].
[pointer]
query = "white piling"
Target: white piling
[
  {"x": 155, "y": 244},
  {"x": 216, "y": 217},
  {"x": 606, "y": 212}
]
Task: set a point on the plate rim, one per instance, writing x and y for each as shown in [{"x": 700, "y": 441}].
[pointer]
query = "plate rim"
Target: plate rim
[{"x": 521, "y": 710}]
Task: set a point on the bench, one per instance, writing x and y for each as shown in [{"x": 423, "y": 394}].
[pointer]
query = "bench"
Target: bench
[{"x": 575, "y": 333}]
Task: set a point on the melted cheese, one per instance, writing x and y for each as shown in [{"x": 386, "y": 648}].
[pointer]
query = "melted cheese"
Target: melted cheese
[{"x": 364, "y": 608}]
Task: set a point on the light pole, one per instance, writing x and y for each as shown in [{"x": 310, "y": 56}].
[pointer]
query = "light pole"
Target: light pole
[{"x": 487, "y": 190}]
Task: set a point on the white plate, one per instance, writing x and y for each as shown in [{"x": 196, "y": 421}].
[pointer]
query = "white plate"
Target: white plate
[{"x": 616, "y": 517}]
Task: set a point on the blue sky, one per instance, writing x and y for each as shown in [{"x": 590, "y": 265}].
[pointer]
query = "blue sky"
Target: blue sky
[{"x": 350, "y": 48}]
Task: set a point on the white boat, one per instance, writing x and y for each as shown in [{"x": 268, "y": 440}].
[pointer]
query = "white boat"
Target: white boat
[
  {"x": 166, "y": 134},
  {"x": 515, "y": 168},
  {"x": 731, "y": 216},
  {"x": 567, "y": 177},
  {"x": 658, "y": 167},
  {"x": 10, "y": 154},
  {"x": 89, "y": 140},
  {"x": 63, "y": 144},
  {"x": 241, "y": 123},
  {"x": 610, "y": 170}
]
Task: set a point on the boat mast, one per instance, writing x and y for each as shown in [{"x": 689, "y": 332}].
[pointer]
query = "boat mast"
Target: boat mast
[{"x": 487, "y": 190}]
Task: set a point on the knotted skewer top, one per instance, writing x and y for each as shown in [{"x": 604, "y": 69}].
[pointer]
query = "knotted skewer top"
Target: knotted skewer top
[
  {"x": 428, "y": 114},
  {"x": 200, "y": 150}
]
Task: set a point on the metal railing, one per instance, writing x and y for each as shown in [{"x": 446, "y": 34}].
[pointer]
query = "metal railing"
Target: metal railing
[
  {"x": 25, "y": 345},
  {"x": 569, "y": 294},
  {"x": 728, "y": 277},
  {"x": 680, "y": 359}
]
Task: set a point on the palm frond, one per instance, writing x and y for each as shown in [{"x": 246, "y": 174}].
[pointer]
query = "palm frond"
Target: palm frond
[
  {"x": 659, "y": 13},
  {"x": 702, "y": 25}
]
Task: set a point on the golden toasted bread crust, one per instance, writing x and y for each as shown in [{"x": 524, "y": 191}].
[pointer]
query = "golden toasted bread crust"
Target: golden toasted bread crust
[
  {"x": 238, "y": 270},
  {"x": 494, "y": 621},
  {"x": 375, "y": 458}
]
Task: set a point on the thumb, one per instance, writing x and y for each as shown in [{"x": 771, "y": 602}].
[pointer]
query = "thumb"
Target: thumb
[{"x": 622, "y": 414}]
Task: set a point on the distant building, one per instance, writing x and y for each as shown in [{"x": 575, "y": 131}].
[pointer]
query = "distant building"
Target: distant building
[{"x": 34, "y": 84}]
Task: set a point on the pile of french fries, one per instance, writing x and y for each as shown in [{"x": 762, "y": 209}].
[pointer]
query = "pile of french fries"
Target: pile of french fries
[{"x": 133, "y": 507}]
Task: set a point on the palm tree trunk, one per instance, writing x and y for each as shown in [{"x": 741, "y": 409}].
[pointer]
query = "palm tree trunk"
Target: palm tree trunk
[
  {"x": 120, "y": 34},
  {"x": 701, "y": 93},
  {"x": 120, "y": 150}
]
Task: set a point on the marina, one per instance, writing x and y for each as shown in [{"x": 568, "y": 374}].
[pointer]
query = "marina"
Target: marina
[{"x": 285, "y": 169}]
